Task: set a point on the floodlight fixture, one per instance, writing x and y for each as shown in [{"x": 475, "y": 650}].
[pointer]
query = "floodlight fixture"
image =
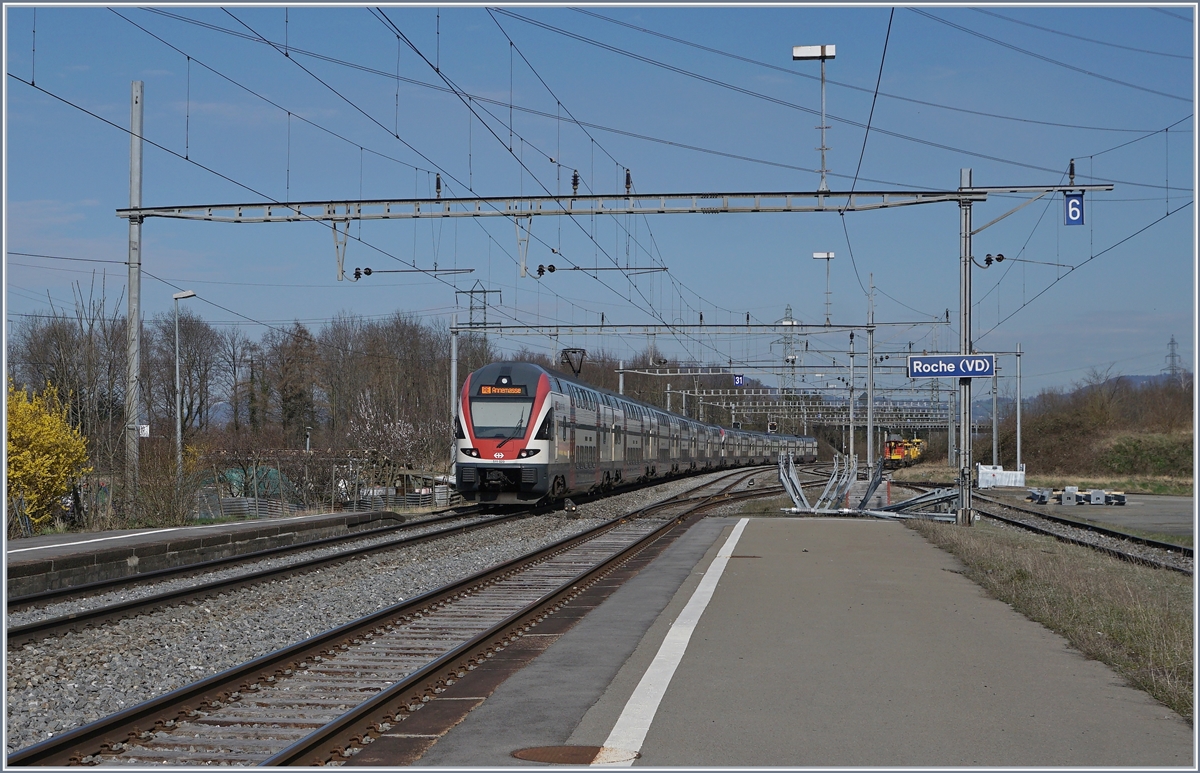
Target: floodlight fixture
[{"x": 803, "y": 53}]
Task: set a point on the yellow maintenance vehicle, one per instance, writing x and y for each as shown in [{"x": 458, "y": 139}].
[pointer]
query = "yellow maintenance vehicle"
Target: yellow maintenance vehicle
[{"x": 899, "y": 452}]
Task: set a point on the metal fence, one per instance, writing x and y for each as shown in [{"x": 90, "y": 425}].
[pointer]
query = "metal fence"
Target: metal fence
[{"x": 291, "y": 483}]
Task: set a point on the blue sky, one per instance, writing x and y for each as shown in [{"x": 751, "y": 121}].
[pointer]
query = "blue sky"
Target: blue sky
[{"x": 1012, "y": 92}]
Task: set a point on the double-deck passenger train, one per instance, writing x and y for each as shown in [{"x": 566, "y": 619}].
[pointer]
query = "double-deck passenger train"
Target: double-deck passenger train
[{"x": 526, "y": 433}]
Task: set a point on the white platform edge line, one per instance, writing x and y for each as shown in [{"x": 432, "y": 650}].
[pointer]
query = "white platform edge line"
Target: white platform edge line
[
  {"x": 634, "y": 723},
  {"x": 159, "y": 531}
]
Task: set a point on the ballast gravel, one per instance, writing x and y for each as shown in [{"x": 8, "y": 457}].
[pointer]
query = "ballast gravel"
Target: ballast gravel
[
  {"x": 122, "y": 595},
  {"x": 63, "y": 682}
]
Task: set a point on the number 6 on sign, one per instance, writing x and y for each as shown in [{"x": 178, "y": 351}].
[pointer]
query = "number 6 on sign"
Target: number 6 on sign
[{"x": 1073, "y": 212}]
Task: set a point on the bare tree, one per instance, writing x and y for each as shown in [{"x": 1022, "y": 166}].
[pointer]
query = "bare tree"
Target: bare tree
[
  {"x": 233, "y": 354},
  {"x": 81, "y": 352},
  {"x": 289, "y": 380}
]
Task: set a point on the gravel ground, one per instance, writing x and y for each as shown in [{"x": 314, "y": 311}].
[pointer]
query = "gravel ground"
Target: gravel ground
[
  {"x": 63, "y": 682},
  {"x": 121, "y": 595},
  {"x": 1171, "y": 558},
  {"x": 1175, "y": 558}
]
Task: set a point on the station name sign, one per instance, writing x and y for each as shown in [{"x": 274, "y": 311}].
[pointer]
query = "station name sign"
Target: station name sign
[{"x": 951, "y": 366}]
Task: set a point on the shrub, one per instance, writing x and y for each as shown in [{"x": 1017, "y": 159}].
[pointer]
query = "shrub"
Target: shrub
[{"x": 46, "y": 455}]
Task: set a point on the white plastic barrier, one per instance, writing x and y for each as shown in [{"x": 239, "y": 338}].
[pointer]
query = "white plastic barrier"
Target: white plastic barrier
[{"x": 995, "y": 475}]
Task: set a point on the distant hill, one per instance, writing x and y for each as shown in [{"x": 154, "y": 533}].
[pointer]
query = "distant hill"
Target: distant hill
[{"x": 981, "y": 408}]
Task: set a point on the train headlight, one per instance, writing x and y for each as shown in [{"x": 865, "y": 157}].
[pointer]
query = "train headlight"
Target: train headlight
[
  {"x": 471, "y": 452},
  {"x": 525, "y": 453}
]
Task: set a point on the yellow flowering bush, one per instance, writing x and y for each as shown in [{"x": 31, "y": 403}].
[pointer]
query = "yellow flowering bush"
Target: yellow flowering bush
[{"x": 45, "y": 454}]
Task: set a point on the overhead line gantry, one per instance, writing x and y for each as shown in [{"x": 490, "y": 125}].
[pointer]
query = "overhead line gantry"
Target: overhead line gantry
[{"x": 531, "y": 206}]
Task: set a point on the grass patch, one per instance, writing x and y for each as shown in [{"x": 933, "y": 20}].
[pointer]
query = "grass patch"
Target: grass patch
[
  {"x": 1135, "y": 619},
  {"x": 925, "y": 471},
  {"x": 771, "y": 506}
]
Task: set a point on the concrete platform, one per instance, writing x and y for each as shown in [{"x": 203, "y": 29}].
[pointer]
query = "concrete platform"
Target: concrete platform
[
  {"x": 54, "y": 561},
  {"x": 827, "y": 642}
]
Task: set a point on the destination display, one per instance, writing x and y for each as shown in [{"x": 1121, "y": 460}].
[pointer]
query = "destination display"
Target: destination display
[
  {"x": 951, "y": 365},
  {"x": 501, "y": 390}
]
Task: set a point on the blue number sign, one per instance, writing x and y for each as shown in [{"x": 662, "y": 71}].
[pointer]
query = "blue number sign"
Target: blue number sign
[
  {"x": 739, "y": 380},
  {"x": 1073, "y": 208}
]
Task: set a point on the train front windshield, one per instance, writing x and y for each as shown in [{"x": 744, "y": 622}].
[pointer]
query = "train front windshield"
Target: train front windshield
[{"x": 494, "y": 418}]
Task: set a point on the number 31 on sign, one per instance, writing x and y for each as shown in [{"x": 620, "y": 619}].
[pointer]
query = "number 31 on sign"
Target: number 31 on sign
[{"x": 1073, "y": 208}]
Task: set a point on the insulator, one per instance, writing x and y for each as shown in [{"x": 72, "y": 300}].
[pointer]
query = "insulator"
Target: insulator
[
  {"x": 550, "y": 268},
  {"x": 575, "y": 183},
  {"x": 438, "y": 185},
  {"x": 367, "y": 271},
  {"x": 628, "y": 182}
]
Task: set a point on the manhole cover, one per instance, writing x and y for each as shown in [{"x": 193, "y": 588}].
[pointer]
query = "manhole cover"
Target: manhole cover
[{"x": 574, "y": 755}]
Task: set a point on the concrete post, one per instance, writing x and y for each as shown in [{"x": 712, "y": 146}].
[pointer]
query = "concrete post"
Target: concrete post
[
  {"x": 870, "y": 399},
  {"x": 133, "y": 337},
  {"x": 178, "y": 406},
  {"x": 851, "y": 422},
  {"x": 1018, "y": 406},
  {"x": 965, "y": 345},
  {"x": 453, "y": 369},
  {"x": 995, "y": 421},
  {"x": 950, "y": 456}
]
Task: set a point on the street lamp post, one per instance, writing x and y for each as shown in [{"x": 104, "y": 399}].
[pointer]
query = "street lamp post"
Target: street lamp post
[
  {"x": 179, "y": 391},
  {"x": 802, "y": 53}
]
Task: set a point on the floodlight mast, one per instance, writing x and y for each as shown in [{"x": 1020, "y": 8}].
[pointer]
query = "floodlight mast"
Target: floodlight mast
[
  {"x": 825, "y": 256},
  {"x": 804, "y": 53}
]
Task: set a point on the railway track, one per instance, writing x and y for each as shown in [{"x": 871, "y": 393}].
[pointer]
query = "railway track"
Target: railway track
[
  {"x": 18, "y": 603},
  {"x": 73, "y": 617},
  {"x": 319, "y": 700},
  {"x": 101, "y": 615},
  {"x": 83, "y": 591},
  {"x": 1119, "y": 544},
  {"x": 1127, "y": 547}
]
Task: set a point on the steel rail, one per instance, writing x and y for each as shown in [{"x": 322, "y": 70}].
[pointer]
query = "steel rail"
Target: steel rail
[
  {"x": 1130, "y": 557},
  {"x": 30, "y": 632},
  {"x": 16, "y": 603},
  {"x": 1114, "y": 552},
  {"x": 338, "y": 738},
  {"x": 1169, "y": 547},
  {"x": 111, "y": 733},
  {"x": 1148, "y": 542},
  {"x": 36, "y": 631}
]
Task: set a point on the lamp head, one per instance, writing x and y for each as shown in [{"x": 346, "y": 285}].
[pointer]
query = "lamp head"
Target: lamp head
[{"x": 184, "y": 294}]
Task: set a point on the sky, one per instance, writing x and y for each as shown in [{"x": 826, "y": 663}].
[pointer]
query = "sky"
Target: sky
[{"x": 512, "y": 101}]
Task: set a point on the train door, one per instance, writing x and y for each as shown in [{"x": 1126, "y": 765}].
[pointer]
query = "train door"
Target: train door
[{"x": 603, "y": 433}]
